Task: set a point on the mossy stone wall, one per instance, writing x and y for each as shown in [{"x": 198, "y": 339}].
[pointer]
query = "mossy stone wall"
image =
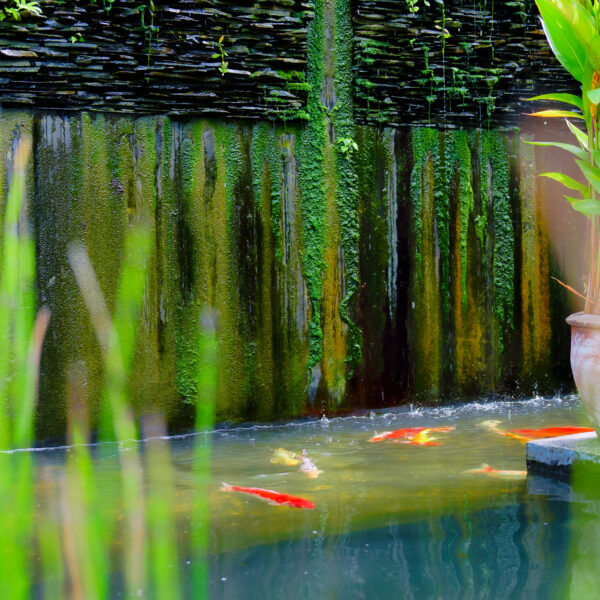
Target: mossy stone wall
[
  {"x": 452, "y": 297},
  {"x": 348, "y": 265},
  {"x": 452, "y": 62}
]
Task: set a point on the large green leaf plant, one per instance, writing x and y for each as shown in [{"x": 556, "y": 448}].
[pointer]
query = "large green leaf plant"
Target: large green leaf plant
[{"x": 572, "y": 28}]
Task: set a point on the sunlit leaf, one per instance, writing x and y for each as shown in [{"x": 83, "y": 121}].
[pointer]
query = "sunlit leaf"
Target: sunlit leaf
[{"x": 556, "y": 113}]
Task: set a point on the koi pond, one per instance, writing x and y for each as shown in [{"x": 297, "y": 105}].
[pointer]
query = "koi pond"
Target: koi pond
[{"x": 389, "y": 520}]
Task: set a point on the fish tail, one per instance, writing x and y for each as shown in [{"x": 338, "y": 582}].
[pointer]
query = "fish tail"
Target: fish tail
[{"x": 225, "y": 487}]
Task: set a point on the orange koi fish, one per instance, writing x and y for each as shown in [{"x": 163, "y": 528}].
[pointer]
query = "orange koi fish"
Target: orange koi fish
[
  {"x": 417, "y": 436},
  {"x": 526, "y": 435},
  {"x": 274, "y": 498},
  {"x": 501, "y": 473}
]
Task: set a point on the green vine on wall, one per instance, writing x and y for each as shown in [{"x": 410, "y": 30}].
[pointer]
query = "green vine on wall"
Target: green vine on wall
[
  {"x": 17, "y": 9},
  {"x": 221, "y": 54}
]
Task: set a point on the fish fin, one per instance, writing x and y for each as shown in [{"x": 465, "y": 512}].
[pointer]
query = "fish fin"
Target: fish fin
[
  {"x": 313, "y": 474},
  {"x": 484, "y": 468},
  {"x": 225, "y": 487},
  {"x": 522, "y": 438},
  {"x": 491, "y": 425}
]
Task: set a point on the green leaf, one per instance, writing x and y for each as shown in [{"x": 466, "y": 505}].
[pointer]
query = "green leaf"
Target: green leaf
[
  {"x": 582, "y": 137},
  {"x": 588, "y": 207},
  {"x": 570, "y": 54},
  {"x": 565, "y": 98},
  {"x": 567, "y": 181},
  {"x": 572, "y": 34},
  {"x": 576, "y": 150},
  {"x": 594, "y": 96},
  {"x": 592, "y": 174}
]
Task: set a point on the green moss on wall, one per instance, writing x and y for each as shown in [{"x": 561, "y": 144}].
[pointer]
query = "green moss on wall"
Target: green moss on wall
[
  {"x": 311, "y": 171},
  {"x": 535, "y": 310},
  {"x": 462, "y": 152},
  {"x": 291, "y": 311},
  {"x": 373, "y": 160},
  {"x": 496, "y": 209},
  {"x": 347, "y": 189},
  {"x": 425, "y": 318}
]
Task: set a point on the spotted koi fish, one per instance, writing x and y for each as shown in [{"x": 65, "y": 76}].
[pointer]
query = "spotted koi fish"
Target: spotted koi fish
[
  {"x": 273, "y": 498},
  {"x": 285, "y": 457},
  {"x": 308, "y": 467},
  {"x": 418, "y": 436}
]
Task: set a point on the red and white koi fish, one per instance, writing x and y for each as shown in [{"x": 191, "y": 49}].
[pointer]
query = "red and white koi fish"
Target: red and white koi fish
[
  {"x": 274, "y": 498},
  {"x": 500, "y": 473},
  {"x": 418, "y": 436},
  {"x": 308, "y": 467},
  {"x": 526, "y": 435}
]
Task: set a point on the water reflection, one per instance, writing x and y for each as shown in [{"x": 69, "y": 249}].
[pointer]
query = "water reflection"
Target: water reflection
[{"x": 390, "y": 520}]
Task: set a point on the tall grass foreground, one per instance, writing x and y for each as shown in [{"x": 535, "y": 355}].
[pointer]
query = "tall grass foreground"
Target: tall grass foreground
[{"x": 66, "y": 538}]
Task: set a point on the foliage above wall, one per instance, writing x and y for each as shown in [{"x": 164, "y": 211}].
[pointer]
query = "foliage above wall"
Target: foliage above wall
[
  {"x": 459, "y": 62},
  {"x": 463, "y": 62}
]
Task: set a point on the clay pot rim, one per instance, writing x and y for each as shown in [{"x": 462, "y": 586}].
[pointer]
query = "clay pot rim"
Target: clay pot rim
[{"x": 581, "y": 319}]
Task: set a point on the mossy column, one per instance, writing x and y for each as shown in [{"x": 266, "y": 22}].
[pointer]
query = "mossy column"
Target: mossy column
[
  {"x": 536, "y": 331},
  {"x": 467, "y": 294},
  {"x": 78, "y": 199},
  {"x": 330, "y": 205},
  {"x": 425, "y": 318}
]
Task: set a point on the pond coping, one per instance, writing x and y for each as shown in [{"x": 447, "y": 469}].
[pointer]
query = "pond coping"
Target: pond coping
[{"x": 557, "y": 457}]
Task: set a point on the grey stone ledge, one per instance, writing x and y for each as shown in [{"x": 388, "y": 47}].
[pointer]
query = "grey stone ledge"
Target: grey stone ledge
[{"x": 558, "y": 456}]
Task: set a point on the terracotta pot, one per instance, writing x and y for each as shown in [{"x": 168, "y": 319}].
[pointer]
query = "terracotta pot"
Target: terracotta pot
[{"x": 585, "y": 362}]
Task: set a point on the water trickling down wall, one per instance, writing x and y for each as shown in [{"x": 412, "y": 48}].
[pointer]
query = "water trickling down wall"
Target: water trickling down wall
[
  {"x": 449, "y": 237},
  {"x": 348, "y": 266}
]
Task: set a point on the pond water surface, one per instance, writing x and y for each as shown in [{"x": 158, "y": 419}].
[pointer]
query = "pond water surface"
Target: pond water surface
[{"x": 390, "y": 520}]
